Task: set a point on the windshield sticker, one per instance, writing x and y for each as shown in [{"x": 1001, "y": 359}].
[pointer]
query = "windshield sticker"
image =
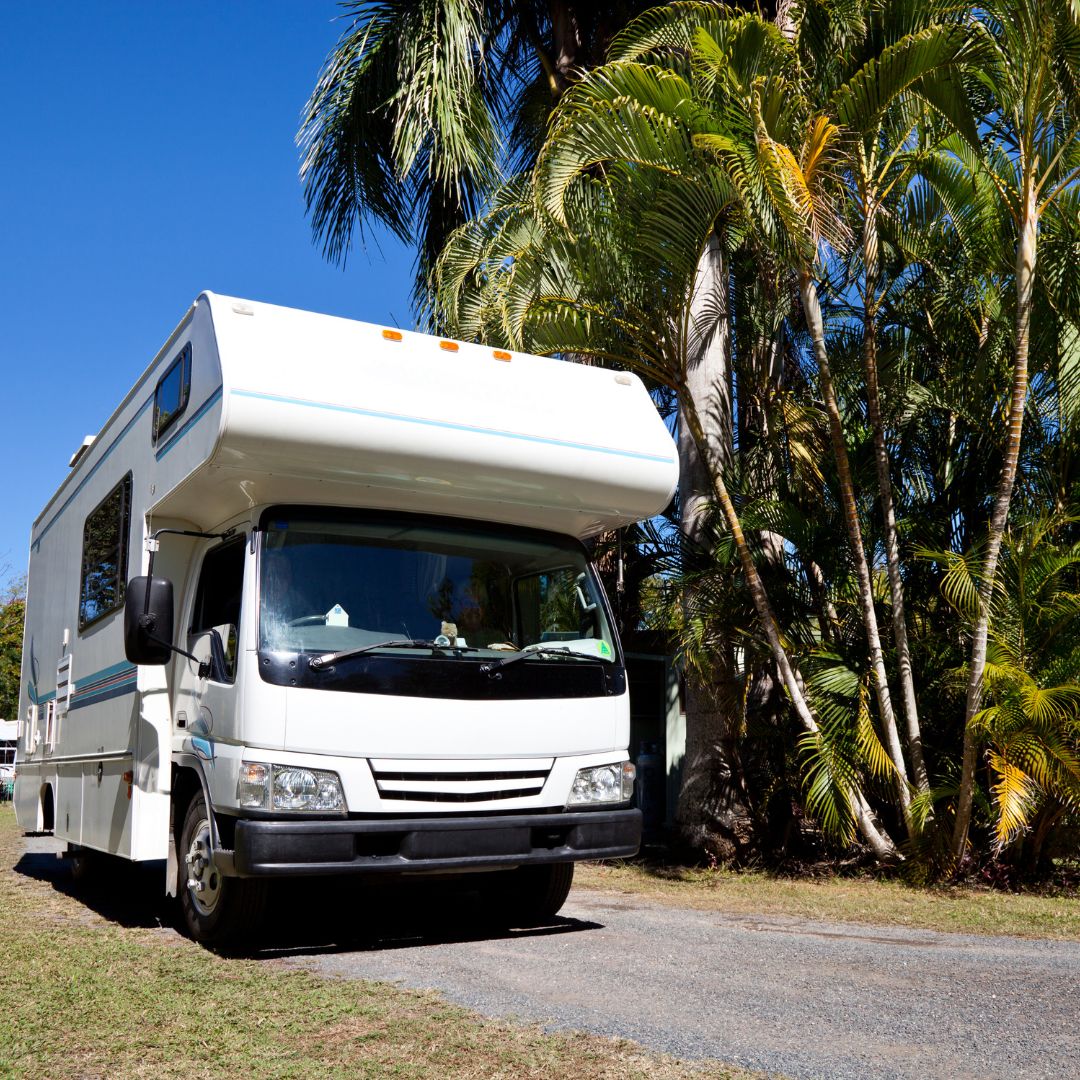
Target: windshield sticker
[{"x": 337, "y": 616}]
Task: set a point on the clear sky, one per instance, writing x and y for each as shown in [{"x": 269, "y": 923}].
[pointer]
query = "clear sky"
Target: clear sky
[{"x": 148, "y": 154}]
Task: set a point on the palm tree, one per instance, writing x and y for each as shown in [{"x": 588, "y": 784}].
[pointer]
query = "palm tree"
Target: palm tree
[
  {"x": 880, "y": 162},
  {"x": 755, "y": 124},
  {"x": 1033, "y": 160},
  {"x": 420, "y": 109},
  {"x": 662, "y": 118},
  {"x": 424, "y": 103},
  {"x": 1031, "y": 725}
]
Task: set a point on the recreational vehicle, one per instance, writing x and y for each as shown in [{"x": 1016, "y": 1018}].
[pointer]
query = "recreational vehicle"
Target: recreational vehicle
[{"x": 315, "y": 601}]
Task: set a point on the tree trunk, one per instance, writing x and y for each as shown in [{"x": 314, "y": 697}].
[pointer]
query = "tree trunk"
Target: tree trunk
[
  {"x": 708, "y": 386},
  {"x": 884, "y": 479},
  {"x": 1026, "y": 252},
  {"x": 712, "y": 812},
  {"x": 812, "y": 309},
  {"x": 566, "y": 41}
]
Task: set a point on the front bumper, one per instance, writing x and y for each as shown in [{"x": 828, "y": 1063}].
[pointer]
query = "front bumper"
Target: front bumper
[{"x": 296, "y": 848}]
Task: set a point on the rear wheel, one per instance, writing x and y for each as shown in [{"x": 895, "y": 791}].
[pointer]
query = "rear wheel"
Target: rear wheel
[
  {"x": 215, "y": 908},
  {"x": 84, "y": 862}
]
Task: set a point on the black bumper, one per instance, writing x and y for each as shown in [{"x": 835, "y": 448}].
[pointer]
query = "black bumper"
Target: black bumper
[{"x": 294, "y": 848}]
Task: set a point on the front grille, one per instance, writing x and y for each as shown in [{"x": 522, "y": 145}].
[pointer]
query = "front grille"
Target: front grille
[
  {"x": 472, "y": 784},
  {"x": 459, "y": 796},
  {"x": 539, "y": 774}
]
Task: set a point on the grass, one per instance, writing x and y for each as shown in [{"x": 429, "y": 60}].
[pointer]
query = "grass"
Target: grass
[
  {"x": 866, "y": 899},
  {"x": 85, "y": 996}
]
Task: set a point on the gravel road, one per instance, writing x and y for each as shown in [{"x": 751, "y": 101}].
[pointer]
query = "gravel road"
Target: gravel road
[{"x": 788, "y": 995}]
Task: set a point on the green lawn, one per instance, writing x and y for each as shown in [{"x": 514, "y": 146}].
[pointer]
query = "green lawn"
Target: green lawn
[{"x": 84, "y": 996}]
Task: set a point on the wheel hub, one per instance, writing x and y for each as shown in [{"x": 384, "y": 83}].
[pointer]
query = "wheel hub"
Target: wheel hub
[{"x": 204, "y": 878}]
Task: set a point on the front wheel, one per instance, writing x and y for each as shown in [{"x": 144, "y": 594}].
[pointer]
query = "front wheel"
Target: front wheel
[
  {"x": 532, "y": 895},
  {"x": 215, "y": 908}
]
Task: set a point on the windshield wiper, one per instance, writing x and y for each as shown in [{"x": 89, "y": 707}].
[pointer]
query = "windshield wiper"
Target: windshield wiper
[
  {"x": 526, "y": 654},
  {"x": 320, "y": 663}
]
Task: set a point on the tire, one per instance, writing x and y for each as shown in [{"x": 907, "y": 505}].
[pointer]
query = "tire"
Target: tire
[
  {"x": 535, "y": 894},
  {"x": 84, "y": 863},
  {"x": 225, "y": 907}
]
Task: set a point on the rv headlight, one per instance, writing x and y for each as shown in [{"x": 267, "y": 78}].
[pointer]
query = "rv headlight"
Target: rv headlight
[
  {"x": 603, "y": 784},
  {"x": 288, "y": 787},
  {"x": 306, "y": 789}
]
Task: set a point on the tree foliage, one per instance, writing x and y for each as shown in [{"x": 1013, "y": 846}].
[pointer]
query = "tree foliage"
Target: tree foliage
[{"x": 12, "y": 614}]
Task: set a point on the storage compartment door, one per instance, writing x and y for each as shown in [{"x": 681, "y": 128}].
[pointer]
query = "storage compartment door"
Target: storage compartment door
[{"x": 107, "y": 805}]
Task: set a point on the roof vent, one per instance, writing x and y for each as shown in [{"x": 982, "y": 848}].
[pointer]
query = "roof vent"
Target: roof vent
[{"x": 78, "y": 455}]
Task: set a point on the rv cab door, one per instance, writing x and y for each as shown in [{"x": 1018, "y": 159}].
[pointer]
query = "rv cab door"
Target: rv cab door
[{"x": 206, "y": 695}]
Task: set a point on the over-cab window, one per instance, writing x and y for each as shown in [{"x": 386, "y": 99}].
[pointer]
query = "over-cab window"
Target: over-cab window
[
  {"x": 171, "y": 393},
  {"x": 105, "y": 555}
]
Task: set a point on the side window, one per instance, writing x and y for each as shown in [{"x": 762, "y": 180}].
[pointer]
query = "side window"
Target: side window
[
  {"x": 171, "y": 393},
  {"x": 105, "y": 555},
  {"x": 217, "y": 598}
]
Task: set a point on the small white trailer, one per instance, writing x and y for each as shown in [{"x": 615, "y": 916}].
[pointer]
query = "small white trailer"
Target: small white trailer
[{"x": 314, "y": 601}]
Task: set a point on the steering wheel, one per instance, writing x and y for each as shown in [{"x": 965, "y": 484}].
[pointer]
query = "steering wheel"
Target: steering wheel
[{"x": 308, "y": 620}]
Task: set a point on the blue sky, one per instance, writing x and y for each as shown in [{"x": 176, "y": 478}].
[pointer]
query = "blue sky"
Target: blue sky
[{"x": 149, "y": 154}]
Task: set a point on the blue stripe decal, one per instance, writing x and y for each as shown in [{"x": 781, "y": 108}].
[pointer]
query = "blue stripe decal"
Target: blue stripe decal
[
  {"x": 87, "y": 478},
  {"x": 195, "y": 417},
  {"x": 90, "y": 689},
  {"x": 119, "y": 691},
  {"x": 94, "y": 684},
  {"x": 446, "y": 424}
]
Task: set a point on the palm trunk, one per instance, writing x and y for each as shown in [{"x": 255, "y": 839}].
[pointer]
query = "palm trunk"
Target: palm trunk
[
  {"x": 708, "y": 386},
  {"x": 712, "y": 812},
  {"x": 881, "y": 459},
  {"x": 564, "y": 32},
  {"x": 812, "y": 309},
  {"x": 1026, "y": 252},
  {"x": 827, "y": 618},
  {"x": 879, "y": 842}
]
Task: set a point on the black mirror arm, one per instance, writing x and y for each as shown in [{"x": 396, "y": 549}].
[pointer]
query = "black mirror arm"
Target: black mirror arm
[{"x": 146, "y": 623}]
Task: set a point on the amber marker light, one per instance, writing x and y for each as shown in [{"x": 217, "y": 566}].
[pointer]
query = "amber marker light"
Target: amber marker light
[
  {"x": 500, "y": 355},
  {"x": 449, "y": 346},
  {"x": 392, "y": 335}
]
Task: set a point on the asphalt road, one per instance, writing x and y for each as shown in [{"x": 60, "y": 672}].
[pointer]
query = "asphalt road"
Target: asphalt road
[{"x": 799, "y": 997}]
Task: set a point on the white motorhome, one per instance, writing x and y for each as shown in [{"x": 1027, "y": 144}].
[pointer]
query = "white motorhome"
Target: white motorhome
[{"x": 315, "y": 601}]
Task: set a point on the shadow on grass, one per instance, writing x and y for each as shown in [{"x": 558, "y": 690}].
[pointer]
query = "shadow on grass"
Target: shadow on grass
[{"x": 308, "y": 916}]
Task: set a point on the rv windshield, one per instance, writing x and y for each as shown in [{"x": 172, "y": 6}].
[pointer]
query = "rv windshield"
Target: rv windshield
[{"x": 341, "y": 586}]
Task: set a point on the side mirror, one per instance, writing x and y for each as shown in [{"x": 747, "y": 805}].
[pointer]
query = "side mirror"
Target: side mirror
[{"x": 148, "y": 620}]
